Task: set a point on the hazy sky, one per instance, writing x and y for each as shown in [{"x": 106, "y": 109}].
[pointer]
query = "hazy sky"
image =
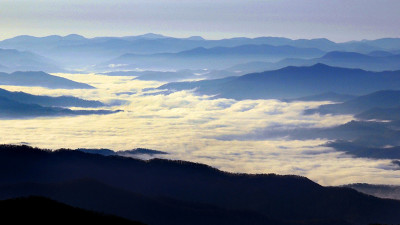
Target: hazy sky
[{"x": 339, "y": 20}]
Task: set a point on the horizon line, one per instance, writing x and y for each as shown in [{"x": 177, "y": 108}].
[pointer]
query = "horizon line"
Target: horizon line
[{"x": 199, "y": 36}]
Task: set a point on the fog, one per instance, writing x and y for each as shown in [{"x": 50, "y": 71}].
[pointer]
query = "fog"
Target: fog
[{"x": 189, "y": 127}]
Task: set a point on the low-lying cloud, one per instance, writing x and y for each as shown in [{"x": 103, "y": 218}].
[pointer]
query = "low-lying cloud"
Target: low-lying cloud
[{"x": 190, "y": 127}]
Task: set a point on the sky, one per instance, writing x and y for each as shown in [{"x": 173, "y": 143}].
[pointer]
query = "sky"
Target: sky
[{"x": 338, "y": 20}]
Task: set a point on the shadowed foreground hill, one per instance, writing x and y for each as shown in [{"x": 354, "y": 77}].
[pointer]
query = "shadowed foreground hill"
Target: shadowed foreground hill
[
  {"x": 290, "y": 199},
  {"x": 96, "y": 196},
  {"x": 39, "y": 210}
]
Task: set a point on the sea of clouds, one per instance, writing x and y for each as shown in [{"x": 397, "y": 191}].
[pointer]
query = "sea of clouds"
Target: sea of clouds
[{"x": 191, "y": 127}]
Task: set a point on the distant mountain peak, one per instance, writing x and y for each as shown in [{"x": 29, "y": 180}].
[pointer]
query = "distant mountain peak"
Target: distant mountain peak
[
  {"x": 195, "y": 38},
  {"x": 152, "y": 36},
  {"x": 74, "y": 37},
  {"x": 321, "y": 65},
  {"x": 341, "y": 54}
]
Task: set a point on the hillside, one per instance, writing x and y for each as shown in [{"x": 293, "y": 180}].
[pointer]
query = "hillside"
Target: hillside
[
  {"x": 282, "y": 198},
  {"x": 10, "y": 109},
  {"x": 14, "y": 60},
  {"x": 210, "y": 58},
  {"x": 386, "y": 99},
  {"x": 294, "y": 82},
  {"x": 41, "y": 79},
  {"x": 39, "y": 210},
  {"x": 61, "y": 101}
]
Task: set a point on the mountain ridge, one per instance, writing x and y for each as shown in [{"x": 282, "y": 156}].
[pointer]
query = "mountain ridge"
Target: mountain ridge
[
  {"x": 290, "y": 197},
  {"x": 293, "y": 82}
]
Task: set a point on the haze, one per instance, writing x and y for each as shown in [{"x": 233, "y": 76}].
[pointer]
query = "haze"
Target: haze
[{"x": 340, "y": 20}]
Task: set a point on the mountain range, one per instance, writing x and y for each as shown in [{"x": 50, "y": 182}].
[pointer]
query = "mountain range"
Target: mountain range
[
  {"x": 210, "y": 58},
  {"x": 70, "y": 49},
  {"x": 293, "y": 82},
  {"x": 374, "y": 61}
]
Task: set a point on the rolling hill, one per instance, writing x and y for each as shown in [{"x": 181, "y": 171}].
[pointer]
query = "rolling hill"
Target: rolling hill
[
  {"x": 211, "y": 58},
  {"x": 285, "y": 199},
  {"x": 293, "y": 82},
  {"x": 14, "y": 60},
  {"x": 374, "y": 61},
  {"x": 42, "y": 79},
  {"x": 387, "y": 99},
  {"x": 45, "y": 211},
  {"x": 11, "y": 109},
  {"x": 61, "y": 101}
]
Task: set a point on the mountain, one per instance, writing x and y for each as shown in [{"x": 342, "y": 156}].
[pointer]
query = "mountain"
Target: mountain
[
  {"x": 42, "y": 79},
  {"x": 61, "y": 101},
  {"x": 271, "y": 197},
  {"x": 357, "y": 60},
  {"x": 137, "y": 151},
  {"x": 174, "y": 76},
  {"x": 379, "y": 99},
  {"x": 39, "y": 210},
  {"x": 373, "y": 61},
  {"x": 150, "y": 36},
  {"x": 293, "y": 82},
  {"x": 96, "y": 196},
  {"x": 380, "y": 53},
  {"x": 365, "y": 134},
  {"x": 384, "y": 43},
  {"x": 71, "y": 48},
  {"x": 328, "y": 96},
  {"x": 14, "y": 60},
  {"x": 381, "y": 191},
  {"x": 211, "y": 58},
  {"x": 166, "y": 76},
  {"x": 361, "y": 150},
  {"x": 141, "y": 151},
  {"x": 11, "y": 109},
  {"x": 380, "y": 114}
]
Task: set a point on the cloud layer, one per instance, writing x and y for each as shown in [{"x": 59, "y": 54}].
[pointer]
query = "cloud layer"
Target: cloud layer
[{"x": 188, "y": 127}]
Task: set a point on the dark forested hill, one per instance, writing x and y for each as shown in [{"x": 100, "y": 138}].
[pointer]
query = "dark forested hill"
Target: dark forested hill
[
  {"x": 290, "y": 199},
  {"x": 39, "y": 210}
]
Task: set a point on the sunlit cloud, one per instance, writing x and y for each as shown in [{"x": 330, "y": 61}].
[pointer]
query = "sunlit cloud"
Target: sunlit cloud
[{"x": 189, "y": 126}]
